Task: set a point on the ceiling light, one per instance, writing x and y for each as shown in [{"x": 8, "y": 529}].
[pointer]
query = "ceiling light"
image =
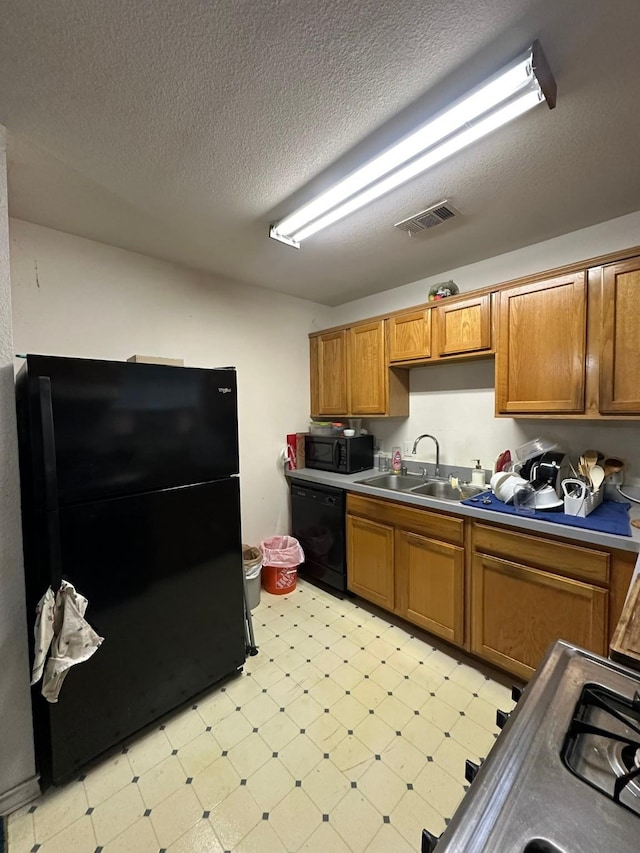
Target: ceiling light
[{"x": 512, "y": 91}]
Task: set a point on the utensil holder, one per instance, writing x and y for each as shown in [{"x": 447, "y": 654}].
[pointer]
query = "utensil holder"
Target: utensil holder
[{"x": 583, "y": 505}]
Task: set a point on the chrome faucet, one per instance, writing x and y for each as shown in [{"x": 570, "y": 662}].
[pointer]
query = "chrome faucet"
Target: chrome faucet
[{"x": 435, "y": 440}]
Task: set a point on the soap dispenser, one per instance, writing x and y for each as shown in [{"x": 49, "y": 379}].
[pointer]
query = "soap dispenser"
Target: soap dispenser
[{"x": 477, "y": 475}]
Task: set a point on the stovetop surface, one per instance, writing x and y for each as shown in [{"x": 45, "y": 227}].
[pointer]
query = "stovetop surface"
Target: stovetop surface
[{"x": 525, "y": 798}]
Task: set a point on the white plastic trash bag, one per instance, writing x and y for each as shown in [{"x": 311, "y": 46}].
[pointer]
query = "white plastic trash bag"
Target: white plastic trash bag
[{"x": 282, "y": 551}]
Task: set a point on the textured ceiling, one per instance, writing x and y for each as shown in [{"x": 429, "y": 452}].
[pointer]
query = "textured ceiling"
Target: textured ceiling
[{"x": 183, "y": 129}]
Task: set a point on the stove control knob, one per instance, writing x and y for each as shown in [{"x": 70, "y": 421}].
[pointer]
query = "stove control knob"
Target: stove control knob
[
  {"x": 501, "y": 718},
  {"x": 429, "y": 842},
  {"x": 470, "y": 770},
  {"x": 516, "y": 692}
]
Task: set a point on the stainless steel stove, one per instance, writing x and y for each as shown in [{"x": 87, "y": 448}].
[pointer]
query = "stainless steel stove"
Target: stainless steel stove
[{"x": 564, "y": 775}]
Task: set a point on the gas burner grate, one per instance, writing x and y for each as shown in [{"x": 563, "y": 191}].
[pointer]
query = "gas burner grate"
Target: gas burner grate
[{"x": 602, "y": 746}]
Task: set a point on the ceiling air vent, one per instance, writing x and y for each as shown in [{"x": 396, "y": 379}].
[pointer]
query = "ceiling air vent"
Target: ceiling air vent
[{"x": 429, "y": 218}]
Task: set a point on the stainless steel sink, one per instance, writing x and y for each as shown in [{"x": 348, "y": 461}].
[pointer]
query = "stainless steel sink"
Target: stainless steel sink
[
  {"x": 395, "y": 482},
  {"x": 446, "y": 492}
]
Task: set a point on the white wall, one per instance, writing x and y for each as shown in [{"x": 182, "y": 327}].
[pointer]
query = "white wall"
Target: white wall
[
  {"x": 456, "y": 401},
  {"x": 16, "y": 739},
  {"x": 75, "y": 297}
]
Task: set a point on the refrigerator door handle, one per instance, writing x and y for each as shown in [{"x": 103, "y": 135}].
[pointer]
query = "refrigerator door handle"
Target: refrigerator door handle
[{"x": 50, "y": 481}]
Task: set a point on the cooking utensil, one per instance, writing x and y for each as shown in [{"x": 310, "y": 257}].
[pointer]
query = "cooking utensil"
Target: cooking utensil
[
  {"x": 597, "y": 477},
  {"x": 612, "y": 466},
  {"x": 590, "y": 459}
]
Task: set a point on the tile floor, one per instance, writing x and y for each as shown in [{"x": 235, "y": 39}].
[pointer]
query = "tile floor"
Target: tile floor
[{"x": 345, "y": 733}]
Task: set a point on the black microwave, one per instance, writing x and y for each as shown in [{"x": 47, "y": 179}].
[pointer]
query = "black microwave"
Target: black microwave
[{"x": 339, "y": 454}]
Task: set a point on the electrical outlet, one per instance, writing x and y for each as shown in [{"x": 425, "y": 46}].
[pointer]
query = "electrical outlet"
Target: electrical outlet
[{"x": 406, "y": 447}]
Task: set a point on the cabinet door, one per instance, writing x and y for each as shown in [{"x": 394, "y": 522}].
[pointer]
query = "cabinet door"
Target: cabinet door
[
  {"x": 330, "y": 373},
  {"x": 370, "y": 560},
  {"x": 464, "y": 326},
  {"x": 540, "y": 357},
  {"x": 410, "y": 336},
  {"x": 517, "y": 612},
  {"x": 620, "y": 341},
  {"x": 430, "y": 584},
  {"x": 368, "y": 369}
]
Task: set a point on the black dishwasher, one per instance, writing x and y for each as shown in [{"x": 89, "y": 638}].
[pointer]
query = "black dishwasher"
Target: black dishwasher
[{"x": 317, "y": 522}]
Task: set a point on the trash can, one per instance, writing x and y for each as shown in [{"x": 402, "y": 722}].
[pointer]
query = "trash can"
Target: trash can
[
  {"x": 252, "y": 564},
  {"x": 281, "y": 556}
]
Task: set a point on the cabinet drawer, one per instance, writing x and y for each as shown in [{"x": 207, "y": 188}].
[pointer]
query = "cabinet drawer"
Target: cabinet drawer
[
  {"x": 422, "y": 521},
  {"x": 541, "y": 552}
]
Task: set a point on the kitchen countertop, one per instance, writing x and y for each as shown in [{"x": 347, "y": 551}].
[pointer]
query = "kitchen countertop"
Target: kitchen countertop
[{"x": 350, "y": 483}]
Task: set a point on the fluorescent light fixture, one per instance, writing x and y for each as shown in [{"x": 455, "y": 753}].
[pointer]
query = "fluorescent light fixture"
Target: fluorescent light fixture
[{"x": 515, "y": 89}]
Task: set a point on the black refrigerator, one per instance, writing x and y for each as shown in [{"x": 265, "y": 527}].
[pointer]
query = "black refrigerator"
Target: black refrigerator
[{"x": 130, "y": 492}]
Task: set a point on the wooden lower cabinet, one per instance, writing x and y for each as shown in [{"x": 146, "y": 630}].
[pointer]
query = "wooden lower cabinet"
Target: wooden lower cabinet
[
  {"x": 430, "y": 584},
  {"x": 517, "y": 612},
  {"x": 370, "y": 560}
]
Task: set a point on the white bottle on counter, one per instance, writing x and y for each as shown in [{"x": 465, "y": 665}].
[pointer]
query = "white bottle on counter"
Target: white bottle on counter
[{"x": 477, "y": 475}]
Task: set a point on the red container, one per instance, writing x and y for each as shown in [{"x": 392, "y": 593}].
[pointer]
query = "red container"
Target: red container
[
  {"x": 279, "y": 580},
  {"x": 292, "y": 443}
]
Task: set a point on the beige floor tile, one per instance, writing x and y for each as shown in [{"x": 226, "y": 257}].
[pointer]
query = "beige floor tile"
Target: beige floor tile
[
  {"x": 472, "y": 736},
  {"x": 261, "y": 839},
  {"x": 214, "y": 784},
  {"x": 327, "y": 635},
  {"x": 270, "y": 784},
  {"x": 304, "y": 710},
  {"x": 20, "y": 834},
  {"x": 374, "y": 733},
  {"x": 77, "y": 836},
  {"x": 295, "y": 818},
  {"x": 215, "y": 708},
  {"x": 439, "y": 789},
  {"x": 326, "y": 692},
  {"x": 235, "y": 817},
  {"x": 176, "y": 815},
  {"x": 161, "y": 781},
  {"x": 381, "y": 648},
  {"x": 412, "y": 815},
  {"x": 278, "y": 731},
  {"x": 346, "y": 676},
  {"x": 439, "y": 713},
  {"x": 295, "y": 636},
  {"x": 326, "y": 732},
  {"x": 352, "y": 757},
  {"x": 451, "y": 756},
  {"x": 386, "y": 676},
  {"x": 382, "y": 787},
  {"x": 394, "y": 712},
  {"x": 455, "y": 695},
  {"x": 248, "y": 755},
  {"x": 369, "y": 693},
  {"x": 394, "y": 634},
  {"x": 107, "y": 778},
  {"x": 140, "y": 838},
  {"x": 116, "y": 814},
  {"x": 199, "y": 839},
  {"x": 362, "y": 636},
  {"x": 417, "y": 648},
  {"x": 199, "y": 754},
  {"x": 327, "y": 661},
  {"x": 412, "y": 694},
  {"x": 310, "y": 647},
  {"x": 402, "y": 663},
  {"x": 260, "y": 709},
  {"x": 147, "y": 751},
  {"x": 326, "y": 786},
  {"x": 426, "y": 678},
  {"x": 290, "y": 660},
  {"x": 243, "y": 688},
  {"x": 345, "y": 648},
  {"x": 356, "y": 820},
  {"x": 274, "y": 647},
  {"x": 325, "y": 840},
  {"x": 267, "y": 675},
  {"x": 307, "y": 676},
  {"x": 423, "y": 735},
  {"x": 232, "y": 730},
  {"x": 497, "y": 694},
  {"x": 300, "y": 756},
  {"x": 285, "y": 691},
  {"x": 59, "y": 808},
  {"x": 467, "y": 677},
  {"x": 184, "y": 727},
  {"x": 349, "y": 711},
  {"x": 441, "y": 662},
  {"x": 483, "y": 713},
  {"x": 404, "y": 759},
  {"x": 389, "y": 840}
]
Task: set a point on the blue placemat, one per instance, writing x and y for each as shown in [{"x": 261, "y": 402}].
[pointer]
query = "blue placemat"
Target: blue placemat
[{"x": 609, "y": 517}]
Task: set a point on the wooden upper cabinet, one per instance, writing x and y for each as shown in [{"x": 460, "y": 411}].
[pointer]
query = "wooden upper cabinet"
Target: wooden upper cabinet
[
  {"x": 620, "y": 339},
  {"x": 410, "y": 336},
  {"x": 329, "y": 374},
  {"x": 464, "y": 326},
  {"x": 368, "y": 369},
  {"x": 541, "y": 351}
]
